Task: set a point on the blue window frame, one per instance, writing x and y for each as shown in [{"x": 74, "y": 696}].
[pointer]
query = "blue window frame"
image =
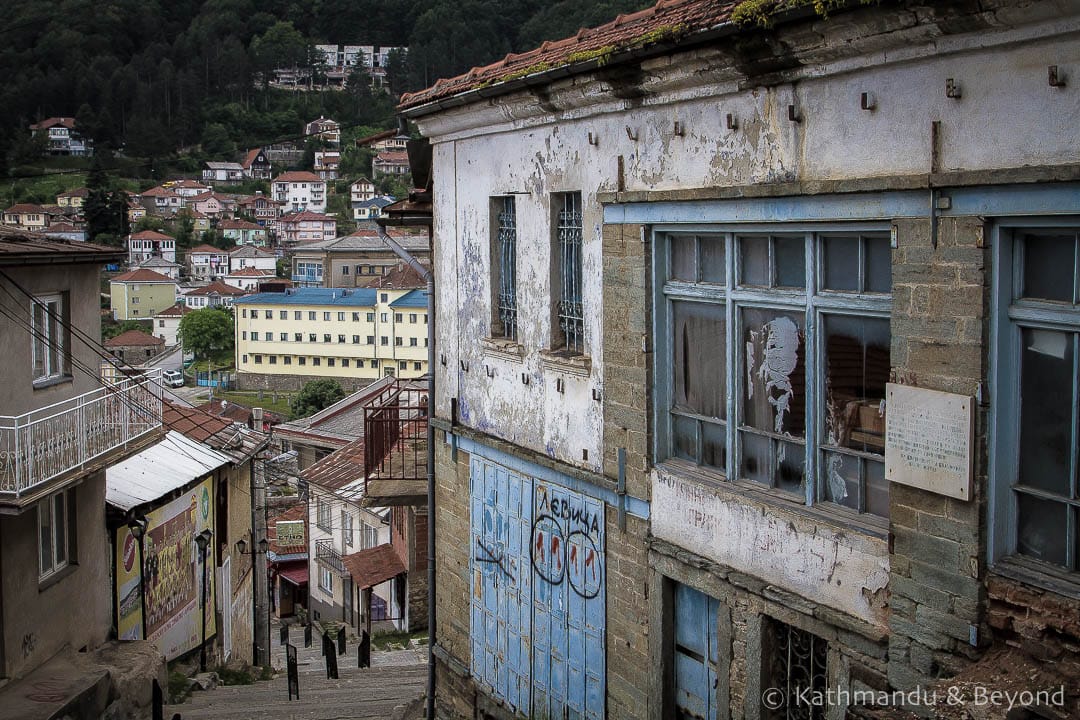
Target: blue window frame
[
  {"x": 1035, "y": 504},
  {"x": 772, "y": 351},
  {"x": 567, "y": 274},
  {"x": 504, "y": 270}
]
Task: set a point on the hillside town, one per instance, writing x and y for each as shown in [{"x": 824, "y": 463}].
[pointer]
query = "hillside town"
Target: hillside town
[{"x": 682, "y": 367}]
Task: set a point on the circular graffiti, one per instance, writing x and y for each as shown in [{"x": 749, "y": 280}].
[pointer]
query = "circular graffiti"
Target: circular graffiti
[
  {"x": 547, "y": 549},
  {"x": 583, "y": 565}
]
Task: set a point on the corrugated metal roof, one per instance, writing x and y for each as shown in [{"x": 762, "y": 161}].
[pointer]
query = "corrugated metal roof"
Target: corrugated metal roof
[
  {"x": 159, "y": 470},
  {"x": 411, "y": 299},
  {"x": 360, "y": 297}
]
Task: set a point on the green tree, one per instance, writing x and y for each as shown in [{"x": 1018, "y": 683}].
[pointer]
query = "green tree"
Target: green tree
[
  {"x": 315, "y": 396},
  {"x": 216, "y": 142},
  {"x": 105, "y": 208},
  {"x": 208, "y": 333}
]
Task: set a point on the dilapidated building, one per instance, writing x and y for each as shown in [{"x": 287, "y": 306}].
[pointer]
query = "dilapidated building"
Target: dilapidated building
[{"x": 757, "y": 340}]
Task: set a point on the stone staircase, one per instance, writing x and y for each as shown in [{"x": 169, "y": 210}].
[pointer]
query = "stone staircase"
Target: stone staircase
[{"x": 395, "y": 678}]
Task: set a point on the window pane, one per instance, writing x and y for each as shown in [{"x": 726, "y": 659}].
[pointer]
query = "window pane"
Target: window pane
[
  {"x": 682, "y": 258},
  {"x": 841, "y": 482},
  {"x": 45, "y": 540},
  {"x": 713, "y": 254},
  {"x": 878, "y": 264},
  {"x": 790, "y": 466},
  {"x": 841, "y": 261},
  {"x": 755, "y": 458},
  {"x": 754, "y": 268},
  {"x": 877, "y": 488},
  {"x": 60, "y": 533},
  {"x": 684, "y": 438},
  {"x": 714, "y": 445},
  {"x": 38, "y": 340},
  {"x": 698, "y": 357},
  {"x": 789, "y": 254},
  {"x": 1049, "y": 269},
  {"x": 1046, "y": 390},
  {"x": 856, "y": 371},
  {"x": 1041, "y": 529},
  {"x": 55, "y": 335},
  {"x": 774, "y": 362}
]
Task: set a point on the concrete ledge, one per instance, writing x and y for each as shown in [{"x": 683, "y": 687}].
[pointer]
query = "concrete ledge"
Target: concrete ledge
[{"x": 57, "y": 689}]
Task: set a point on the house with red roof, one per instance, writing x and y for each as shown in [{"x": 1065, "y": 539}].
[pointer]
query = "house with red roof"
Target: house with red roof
[
  {"x": 249, "y": 278},
  {"x": 250, "y": 256},
  {"x": 160, "y": 200},
  {"x": 214, "y": 294},
  {"x": 134, "y": 347},
  {"x": 306, "y": 226},
  {"x": 265, "y": 210},
  {"x": 256, "y": 165},
  {"x": 211, "y": 204},
  {"x": 150, "y": 243},
  {"x": 167, "y": 323},
  {"x": 390, "y": 162},
  {"x": 299, "y": 190},
  {"x": 140, "y": 294},
  {"x": 243, "y": 232},
  {"x": 72, "y": 199},
  {"x": 27, "y": 216},
  {"x": 63, "y": 137},
  {"x": 206, "y": 261}
]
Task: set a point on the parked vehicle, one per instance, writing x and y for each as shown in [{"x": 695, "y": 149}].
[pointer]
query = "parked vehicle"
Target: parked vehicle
[{"x": 173, "y": 378}]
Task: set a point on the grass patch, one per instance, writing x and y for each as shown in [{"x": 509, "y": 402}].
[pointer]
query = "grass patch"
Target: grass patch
[
  {"x": 251, "y": 399},
  {"x": 266, "y": 673},
  {"x": 383, "y": 640},
  {"x": 179, "y": 690},
  {"x": 230, "y": 676}
]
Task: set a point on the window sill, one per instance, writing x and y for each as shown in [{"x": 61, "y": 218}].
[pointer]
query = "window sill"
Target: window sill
[
  {"x": 52, "y": 382},
  {"x": 835, "y": 516},
  {"x": 503, "y": 348},
  {"x": 1038, "y": 574},
  {"x": 562, "y": 361},
  {"x": 47, "y": 582}
]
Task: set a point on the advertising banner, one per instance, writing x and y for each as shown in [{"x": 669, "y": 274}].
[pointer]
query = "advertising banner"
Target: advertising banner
[{"x": 171, "y": 572}]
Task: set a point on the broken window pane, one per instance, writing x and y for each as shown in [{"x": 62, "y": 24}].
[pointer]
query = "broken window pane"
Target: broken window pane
[
  {"x": 1046, "y": 392},
  {"x": 856, "y": 371},
  {"x": 1042, "y": 529},
  {"x": 698, "y": 357},
  {"x": 841, "y": 261},
  {"x": 789, "y": 256},
  {"x": 1049, "y": 266},
  {"x": 774, "y": 396},
  {"x": 683, "y": 262},
  {"x": 713, "y": 255},
  {"x": 841, "y": 482},
  {"x": 755, "y": 261},
  {"x": 878, "y": 271}
]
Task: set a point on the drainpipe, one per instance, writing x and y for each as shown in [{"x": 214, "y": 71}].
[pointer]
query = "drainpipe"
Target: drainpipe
[{"x": 430, "y": 280}]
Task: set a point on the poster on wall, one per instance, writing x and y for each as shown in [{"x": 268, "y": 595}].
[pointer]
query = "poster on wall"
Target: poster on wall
[{"x": 171, "y": 575}]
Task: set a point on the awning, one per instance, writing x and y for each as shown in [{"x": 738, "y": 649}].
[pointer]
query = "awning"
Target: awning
[
  {"x": 298, "y": 576},
  {"x": 159, "y": 470},
  {"x": 373, "y": 566}
]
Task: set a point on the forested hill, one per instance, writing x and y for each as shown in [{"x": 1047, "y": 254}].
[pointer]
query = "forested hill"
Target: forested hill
[{"x": 156, "y": 76}]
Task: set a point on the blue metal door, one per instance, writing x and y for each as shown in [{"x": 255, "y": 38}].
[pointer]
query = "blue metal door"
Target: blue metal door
[
  {"x": 695, "y": 654},
  {"x": 538, "y": 604}
]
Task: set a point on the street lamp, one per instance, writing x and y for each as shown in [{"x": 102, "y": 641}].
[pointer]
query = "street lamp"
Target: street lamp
[
  {"x": 137, "y": 525},
  {"x": 203, "y": 541},
  {"x": 241, "y": 548}
]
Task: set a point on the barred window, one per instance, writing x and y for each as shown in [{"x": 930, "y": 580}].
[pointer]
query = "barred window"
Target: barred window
[
  {"x": 503, "y": 269},
  {"x": 566, "y": 274}
]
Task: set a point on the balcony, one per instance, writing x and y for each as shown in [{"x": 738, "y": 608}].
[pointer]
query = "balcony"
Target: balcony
[
  {"x": 395, "y": 445},
  {"x": 326, "y": 555},
  {"x": 41, "y": 448}
]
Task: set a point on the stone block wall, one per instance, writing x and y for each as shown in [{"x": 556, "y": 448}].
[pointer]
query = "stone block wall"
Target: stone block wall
[
  {"x": 264, "y": 381},
  {"x": 940, "y": 337}
]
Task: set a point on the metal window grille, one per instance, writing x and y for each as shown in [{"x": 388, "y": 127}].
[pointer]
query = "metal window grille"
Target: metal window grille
[
  {"x": 797, "y": 668},
  {"x": 571, "y": 314},
  {"x": 507, "y": 248}
]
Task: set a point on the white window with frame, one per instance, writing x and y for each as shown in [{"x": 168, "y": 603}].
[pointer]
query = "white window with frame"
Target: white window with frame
[
  {"x": 326, "y": 580},
  {"x": 322, "y": 514},
  {"x": 370, "y": 535},
  {"x": 347, "y": 528},
  {"x": 1035, "y": 504},
  {"x": 55, "y": 520},
  {"x": 49, "y": 337},
  {"x": 773, "y": 356}
]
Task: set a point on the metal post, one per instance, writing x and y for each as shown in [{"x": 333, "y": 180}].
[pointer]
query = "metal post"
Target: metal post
[
  {"x": 142, "y": 585},
  {"x": 202, "y": 647}
]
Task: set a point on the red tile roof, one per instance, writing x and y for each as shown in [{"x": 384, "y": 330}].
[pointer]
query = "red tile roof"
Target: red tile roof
[
  {"x": 298, "y": 176},
  {"x": 61, "y": 228},
  {"x": 400, "y": 277},
  {"x": 21, "y": 247},
  {"x": 250, "y": 158},
  {"x": 306, "y": 215},
  {"x": 339, "y": 468},
  {"x": 134, "y": 338},
  {"x": 177, "y": 310},
  {"x": 235, "y": 411},
  {"x": 219, "y": 288},
  {"x": 372, "y": 139},
  {"x": 239, "y": 225},
  {"x": 207, "y": 249},
  {"x": 251, "y": 272},
  {"x": 67, "y": 122},
  {"x": 393, "y": 156},
  {"x": 23, "y": 208},
  {"x": 666, "y": 22},
  {"x": 143, "y": 275},
  {"x": 157, "y": 192},
  {"x": 77, "y": 192},
  {"x": 150, "y": 235},
  {"x": 223, "y": 435},
  {"x": 374, "y": 565},
  {"x": 289, "y": 514},
  {"x": 193, "y": 184}
]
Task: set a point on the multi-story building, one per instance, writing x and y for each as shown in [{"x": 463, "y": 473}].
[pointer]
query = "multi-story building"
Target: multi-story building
[
  {"x": 140, "y": 294},
  {"x": 325, "y": 129},
  {"x": 352, "y": 260},
  {"x": 740, "y": 349},
  {"x": 150, "y": 243},
  {"x": 305, "y": 226},
  {"x": 134, "y": 347},
  {"x": 159, "y": 265},
  {"x": 161, "y": 201},
  {"x": 211, "y": 204},
  {"x": 249, "y": 256},
  {"x": 223, "y": 172},
  {"x": 299, "y": 190},
  {"x": 390, "y": 162},
  {"x": 256, "y": 165},
  {"x": 59, "y": 431},
  {"x": 63, "y": 137},
  {"x": 250, "y": 279},
  {"x": 206, "y": 261},
  {"x": 263, "y": 209},
  {"x": 213, "y": 294},
  {"x": 72, "y": 199},
  {"x": 167, "y": 323},
  {"x": 26, "y": 216},
  {"x": 361, "y": 190},
  {"x": 370, "y": 209},
  {"x": 354, "y": 336},
  {"x": 243, "y": 232},
  {"x": 327, "y": 163}
]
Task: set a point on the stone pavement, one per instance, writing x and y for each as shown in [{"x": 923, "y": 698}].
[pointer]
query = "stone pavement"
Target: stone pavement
[{"x": 394, "y": 679}]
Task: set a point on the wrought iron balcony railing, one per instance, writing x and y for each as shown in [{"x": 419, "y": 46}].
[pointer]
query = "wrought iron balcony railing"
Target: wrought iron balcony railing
[
  {"x": 44, "y": 444},
  {"x": 328, "y": 556}
]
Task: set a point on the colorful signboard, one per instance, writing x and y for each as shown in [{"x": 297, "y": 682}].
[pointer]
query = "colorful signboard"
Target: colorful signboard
[
  {"x": 290, "y": 533},
  {"x": 171, "y": 572}
]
